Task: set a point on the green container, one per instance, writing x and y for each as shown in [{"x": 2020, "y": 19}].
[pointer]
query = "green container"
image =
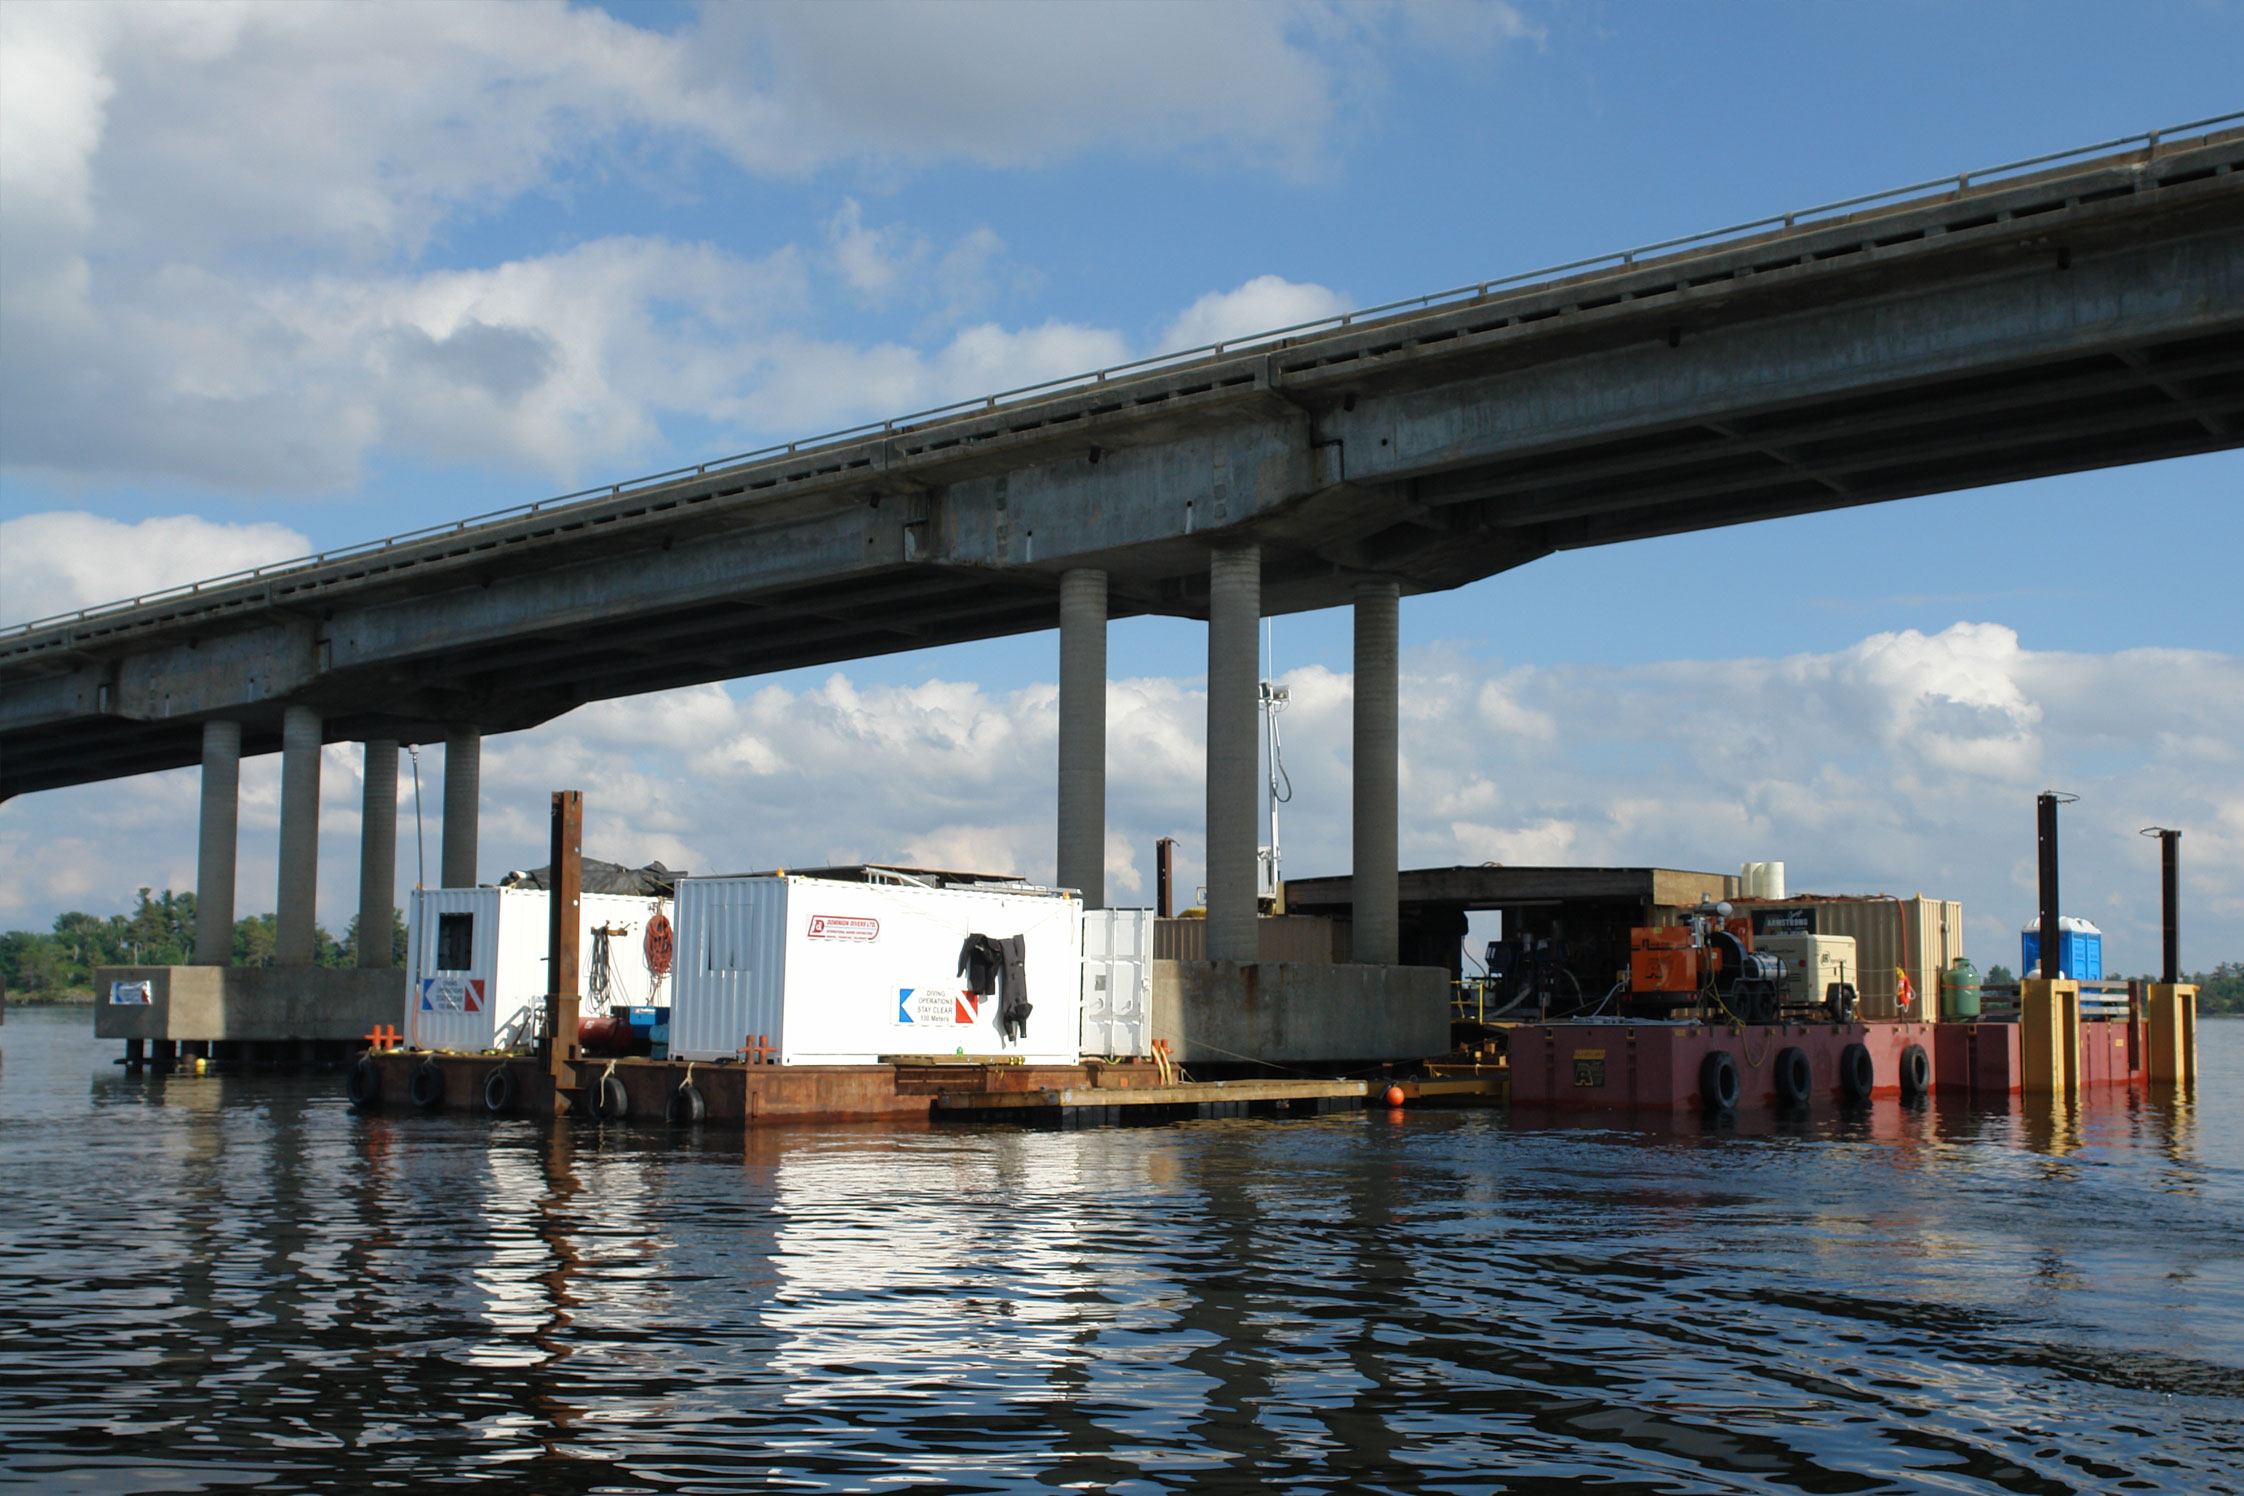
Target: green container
[{"x": 1959, "y": 990}]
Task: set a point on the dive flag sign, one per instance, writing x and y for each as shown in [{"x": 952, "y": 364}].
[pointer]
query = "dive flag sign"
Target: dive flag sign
[{"x": 451, "y": 994}]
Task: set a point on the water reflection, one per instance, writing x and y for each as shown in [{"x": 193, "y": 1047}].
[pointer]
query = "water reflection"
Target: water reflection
[{"x": 234, "y": 1279}]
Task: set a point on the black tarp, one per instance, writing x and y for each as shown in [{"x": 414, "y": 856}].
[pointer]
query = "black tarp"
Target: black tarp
[{"x": 654, "y": 880}]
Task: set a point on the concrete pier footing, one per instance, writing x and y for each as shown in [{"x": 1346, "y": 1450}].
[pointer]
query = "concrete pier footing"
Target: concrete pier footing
[
  {"x": 377, "y": 854},
  {"x": 1296, "y": 1012},
  {"x": 1233, "y": 790},
  {"x": 202, "y": 1005},
  {"x": 214, "y": 853},
  {"x": 463, "y": 794},
  {"x": 1375, "y": 888},
  {"x": 1082, "y": 746},
  {"x": 298, "y": 895}
]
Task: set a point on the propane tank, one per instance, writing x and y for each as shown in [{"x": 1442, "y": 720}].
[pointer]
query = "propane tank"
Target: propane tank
[{"x": 1959, "y": 990}]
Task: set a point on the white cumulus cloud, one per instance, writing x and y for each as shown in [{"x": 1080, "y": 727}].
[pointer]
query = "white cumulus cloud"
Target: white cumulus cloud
[
  {"x": 58, "y": 562},
  {"x": 221, "y": 218},
  {"x": 1580, "y": 765}
]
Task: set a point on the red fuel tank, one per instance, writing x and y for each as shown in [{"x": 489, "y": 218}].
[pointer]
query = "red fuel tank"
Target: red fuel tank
[{"x": 604, "y": 1033}]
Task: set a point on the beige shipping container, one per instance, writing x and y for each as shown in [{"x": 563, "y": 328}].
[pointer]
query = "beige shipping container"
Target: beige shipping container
[{"x": 1918, "y": 935}]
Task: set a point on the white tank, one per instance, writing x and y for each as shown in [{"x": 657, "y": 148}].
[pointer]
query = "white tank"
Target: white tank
[{"x": 1761, "y": 880}]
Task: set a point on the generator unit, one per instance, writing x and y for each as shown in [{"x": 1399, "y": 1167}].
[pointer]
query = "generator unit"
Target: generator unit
[{"x": 1708, "y": 964}]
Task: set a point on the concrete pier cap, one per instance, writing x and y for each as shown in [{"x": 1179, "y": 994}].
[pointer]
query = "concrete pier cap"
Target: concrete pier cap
[{"x": 1299, "y": 1012}]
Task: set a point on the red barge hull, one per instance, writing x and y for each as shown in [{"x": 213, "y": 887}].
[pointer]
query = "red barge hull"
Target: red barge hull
[{"x": 1657, "y": 1066}]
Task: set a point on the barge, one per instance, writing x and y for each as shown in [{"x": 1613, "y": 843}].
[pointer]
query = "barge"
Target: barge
[{"x": 889, "y": 994}]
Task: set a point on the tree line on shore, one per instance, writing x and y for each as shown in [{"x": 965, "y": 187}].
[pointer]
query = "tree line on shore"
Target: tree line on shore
[{"x": 160, "y": 931}]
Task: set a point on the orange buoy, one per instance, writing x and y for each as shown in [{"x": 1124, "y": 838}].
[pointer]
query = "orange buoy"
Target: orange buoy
[{"x": 1395, "y": 1096}]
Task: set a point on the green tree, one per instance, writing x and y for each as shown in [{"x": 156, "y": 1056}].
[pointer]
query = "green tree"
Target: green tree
[
  {"x": 2221, "y": 990},
  {"x": 255, "y": 937},
  {"x": 397, "y": 940}
]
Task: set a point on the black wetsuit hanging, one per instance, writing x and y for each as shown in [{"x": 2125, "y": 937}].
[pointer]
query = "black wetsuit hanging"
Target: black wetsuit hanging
[
  {"x": 999, "y": 968},
  {"x": 980, "y": 962},
  {"x": 1013, "y": 1012}
]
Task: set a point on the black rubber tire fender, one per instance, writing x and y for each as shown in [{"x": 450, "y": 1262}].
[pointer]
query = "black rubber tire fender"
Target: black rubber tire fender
[
  {"x": 1795, "y": 1077},
  {"x": 1916, "y": 1072},
  {"x": 499, "y": 1089},
  {"x": 686, "y": 1105},
  {"x": 1718, "y": 1082},
  {"x": 1858, "y": 1073},
  {"x": 365, "y": 1085},
  {"x": 610, "y": 1100},
  {"x": 427, "y": 1086}
]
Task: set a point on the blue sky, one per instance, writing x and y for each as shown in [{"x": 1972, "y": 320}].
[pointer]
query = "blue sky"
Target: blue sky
[{"x": 241, "y": 247}]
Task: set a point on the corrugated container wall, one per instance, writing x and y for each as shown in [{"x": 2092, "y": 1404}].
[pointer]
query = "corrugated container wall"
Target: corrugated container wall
[
  {"x": 476, "y": 961},
  {"x": 839, "y": 973},
  {"x": 1118, "y": 982},
  {"x": 732, "y": 966},
  {"x": 1919, "y": 935}
]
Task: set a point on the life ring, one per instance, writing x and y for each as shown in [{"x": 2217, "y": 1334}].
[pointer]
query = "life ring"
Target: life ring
[
  {"x": 1795, "y": 1077},
  {"x": 610, "y": 1100},
  {"x": 1718, "y": 1082},
  {"x": 498, "y": 1090},
  {"x": 365, "y": 1085},
  {"x": 427, "y": 1087},
  {"x": 1916, "y": 1072},
  {"x": 685, "y": 1105},
  {"x": 1858, "y": 1073}
]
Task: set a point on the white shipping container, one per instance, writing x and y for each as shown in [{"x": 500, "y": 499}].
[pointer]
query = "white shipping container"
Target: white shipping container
[
  {"x": 839, "y": 973},
  {"x": 476, "y": 961},
  {"x": 1118, "y": 982}
]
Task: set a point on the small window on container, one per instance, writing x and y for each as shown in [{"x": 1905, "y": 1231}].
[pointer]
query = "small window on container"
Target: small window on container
[{"x": 455, "y": 942}]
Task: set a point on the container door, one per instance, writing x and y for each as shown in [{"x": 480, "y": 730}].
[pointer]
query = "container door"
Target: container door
[{"x": 1117, "y": 982}]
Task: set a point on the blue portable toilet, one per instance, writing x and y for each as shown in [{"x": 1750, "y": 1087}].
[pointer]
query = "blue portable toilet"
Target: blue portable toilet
[{"x": 2080, "y": 949}]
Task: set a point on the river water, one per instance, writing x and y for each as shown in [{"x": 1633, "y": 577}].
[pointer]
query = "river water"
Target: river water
[{"x": 222, "y": 1282}]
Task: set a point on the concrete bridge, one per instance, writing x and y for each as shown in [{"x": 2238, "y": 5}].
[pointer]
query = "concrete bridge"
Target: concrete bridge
[{"x": 2079, "y": 311}]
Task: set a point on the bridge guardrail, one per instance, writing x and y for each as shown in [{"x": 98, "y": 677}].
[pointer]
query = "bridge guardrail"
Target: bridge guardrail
[{"x": 1522, "y": 281}]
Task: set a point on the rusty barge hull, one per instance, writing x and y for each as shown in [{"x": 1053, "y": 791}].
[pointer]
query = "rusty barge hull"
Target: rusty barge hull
[{"x": 752, "y": 1095}]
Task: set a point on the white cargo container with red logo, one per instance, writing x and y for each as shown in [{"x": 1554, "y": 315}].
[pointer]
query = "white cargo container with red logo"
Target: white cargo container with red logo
[
  {"x": 829, "y": 972},
  {"x": 476, "y": 961}
]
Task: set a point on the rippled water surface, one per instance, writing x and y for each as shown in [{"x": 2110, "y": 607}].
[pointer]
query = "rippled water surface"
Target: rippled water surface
[{"x": 235, "y": 1282}]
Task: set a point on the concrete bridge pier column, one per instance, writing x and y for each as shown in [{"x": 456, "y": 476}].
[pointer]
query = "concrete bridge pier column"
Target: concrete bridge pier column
[
  {"x": 1082, "y": 810},
  {"x": 463, "y": 796},
  {"x": 377, "y": 854},
  {"x": 214, "y": 854},
  {"x": 1376, "y": 880},
  {"x": 298, "y": 897},
  {"x": 1234, "y": 791}
]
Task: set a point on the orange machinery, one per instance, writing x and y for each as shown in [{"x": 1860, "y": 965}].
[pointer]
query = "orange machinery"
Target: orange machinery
[{"x": 1676, "y": 963}]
